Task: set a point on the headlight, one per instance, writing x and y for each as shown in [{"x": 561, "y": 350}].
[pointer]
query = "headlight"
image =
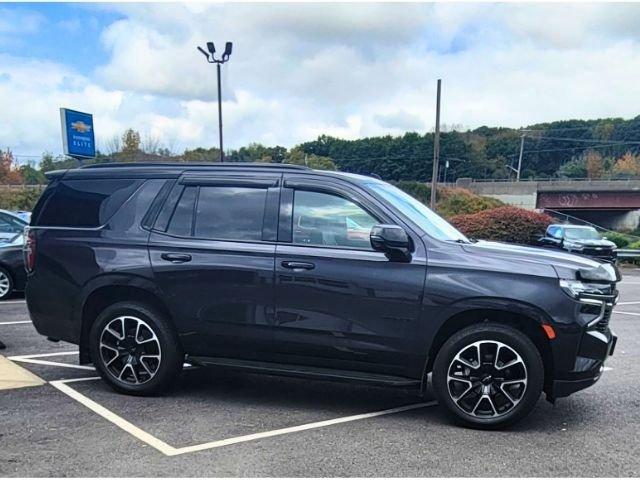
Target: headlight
[
  {"x": 574, "y": 288},
  {"x": 604, "y": 272}
]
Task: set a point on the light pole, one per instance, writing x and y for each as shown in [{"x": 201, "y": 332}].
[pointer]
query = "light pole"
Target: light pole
[{"x": 211, "y": 58}]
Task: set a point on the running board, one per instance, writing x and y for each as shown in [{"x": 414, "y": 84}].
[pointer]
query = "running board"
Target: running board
[{"x": 305, "y": 371}]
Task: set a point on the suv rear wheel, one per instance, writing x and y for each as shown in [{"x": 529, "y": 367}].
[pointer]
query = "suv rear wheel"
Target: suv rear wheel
[
  {"x": 488, "y": 375},
  {"x": 135, "y": 349}
]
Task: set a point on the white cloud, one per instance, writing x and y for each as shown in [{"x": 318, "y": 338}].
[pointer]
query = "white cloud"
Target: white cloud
[
  {"x": 348, "y": 70},
  {"x": 31, "y": 93}
]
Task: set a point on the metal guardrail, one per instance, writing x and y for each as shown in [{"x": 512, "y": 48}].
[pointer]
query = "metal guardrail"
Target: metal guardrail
[
  {"x": 633, "y": 178},
  {"x": 628, "y": 253}
]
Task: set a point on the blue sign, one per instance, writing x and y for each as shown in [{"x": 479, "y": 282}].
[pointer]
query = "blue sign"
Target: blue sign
[{"x": 77, "y": 134}]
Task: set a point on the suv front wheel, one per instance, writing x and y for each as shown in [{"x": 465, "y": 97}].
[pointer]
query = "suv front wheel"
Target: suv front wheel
[
  {"x": 488, "y": 375},
  {"x": 135, "y": 349}
]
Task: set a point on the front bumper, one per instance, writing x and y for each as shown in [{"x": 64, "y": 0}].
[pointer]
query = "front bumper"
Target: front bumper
[{"x": 582, "y": 378}]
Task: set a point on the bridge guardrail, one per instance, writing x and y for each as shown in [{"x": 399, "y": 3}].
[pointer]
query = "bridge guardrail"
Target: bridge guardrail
[{"x": 628, "y": 253}]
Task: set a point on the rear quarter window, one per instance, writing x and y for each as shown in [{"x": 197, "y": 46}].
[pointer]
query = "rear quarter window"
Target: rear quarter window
[{"x": 83, "y": 203}]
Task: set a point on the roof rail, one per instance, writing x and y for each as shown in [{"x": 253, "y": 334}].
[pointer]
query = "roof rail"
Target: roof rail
[{"x": 287, "y": 166}]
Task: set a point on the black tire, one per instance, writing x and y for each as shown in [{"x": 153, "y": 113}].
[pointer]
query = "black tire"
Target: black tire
[
  {"x": 530, "y": 362},
  {"x": 171, "y": 355},
  {"x": 7, "y": 279}
]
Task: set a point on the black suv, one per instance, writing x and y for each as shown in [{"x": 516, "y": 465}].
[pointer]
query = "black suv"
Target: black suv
[
  {"x": 580, "y": 239},
  {"x": 286, "y": 270}
]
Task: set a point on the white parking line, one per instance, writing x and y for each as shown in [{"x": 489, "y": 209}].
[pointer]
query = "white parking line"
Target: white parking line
[
  {"x": 165, "y": 448},
  {"x": 627, "y": 313},
  {"x": 627, "y": 303},
  {"x": 169, "y": 450},
  {"x": 35, "y": 359},
  {"x": 112, "y": 417},
  {"x": 301, "y": 428},
  {"x": 40, "y": 355},
  {"x": 52, "y": 364},
  {"x": 12, "y": 302},
  {"x": 16, "y": 322}
]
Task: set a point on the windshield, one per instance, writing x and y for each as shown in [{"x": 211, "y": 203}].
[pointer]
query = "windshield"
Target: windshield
[
  {"x": 417, "y": 212},
  {"x": 581, "y": 234}
]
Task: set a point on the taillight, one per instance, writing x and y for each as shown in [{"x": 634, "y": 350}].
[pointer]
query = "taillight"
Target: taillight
[{"x": 30, "y": 250}]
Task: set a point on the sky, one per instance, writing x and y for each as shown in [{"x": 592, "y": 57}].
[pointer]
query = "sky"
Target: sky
[{"x": 302, "y": 70}]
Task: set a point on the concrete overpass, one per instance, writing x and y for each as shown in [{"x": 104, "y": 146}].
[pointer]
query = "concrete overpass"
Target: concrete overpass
[{"x": 613, "y": 204}]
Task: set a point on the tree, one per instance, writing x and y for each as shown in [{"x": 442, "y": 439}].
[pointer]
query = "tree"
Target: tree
[
  {"x": 9, "y": 174},
  {"x": 297, "y": 157},
  {"x": 575, "y": 168},
  {"x": 130, "y": 147},
  {"x": 31, "y": 176},
  {"x": 48, "y": 162},
  {"x": 594, "y": 164},
  {"x": 130, "y": 141},
  {"x": 627, "y": 165}
]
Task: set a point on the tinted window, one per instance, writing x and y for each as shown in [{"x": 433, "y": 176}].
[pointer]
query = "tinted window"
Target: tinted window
[
  {"x": 10, "y": 227},
  {"x": 181, "y": 222},
  {"x": 84, "y": 203},
  {"x": 230, "y": 213},
  {"x": 329, "y": 220},
  {"x": 553, "y": 231},
  {"x": 10, "y": 224}
]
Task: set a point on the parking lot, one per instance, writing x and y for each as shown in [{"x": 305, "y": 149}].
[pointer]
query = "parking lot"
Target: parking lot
[{"x": 64, "y": 422}]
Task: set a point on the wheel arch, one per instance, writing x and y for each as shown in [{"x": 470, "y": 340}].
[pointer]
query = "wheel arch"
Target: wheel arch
[
  {"x": 526, "y": 320},
  {"x": 109, "y": 291}
]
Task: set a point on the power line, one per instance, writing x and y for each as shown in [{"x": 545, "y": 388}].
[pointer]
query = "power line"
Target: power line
[
  {"x": 585, "y": 140},
  {"x": 556, "y": 128},
  {"x": 588, "y": 147}
]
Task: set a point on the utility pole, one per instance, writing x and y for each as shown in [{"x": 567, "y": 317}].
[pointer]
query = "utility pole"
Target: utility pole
[
  {"x": 220, "y": 114},
  {"x": 436, "y": 151},
  {"x": 520, "y": 158},
  {"x": 211, "y": 58}
]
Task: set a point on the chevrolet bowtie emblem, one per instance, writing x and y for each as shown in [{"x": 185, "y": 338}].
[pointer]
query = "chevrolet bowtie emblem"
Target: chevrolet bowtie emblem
[{"x": 80, "y": 127}]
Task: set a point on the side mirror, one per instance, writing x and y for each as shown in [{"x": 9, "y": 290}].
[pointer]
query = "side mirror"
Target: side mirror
[{"x": 392, "y": 240}]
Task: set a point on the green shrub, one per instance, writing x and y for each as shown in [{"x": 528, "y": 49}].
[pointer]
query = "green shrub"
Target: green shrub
[
  {"x": 20, "y": 198},
  {"x": 450, "y": 201},
  {"x": 504, "y": 224},
  {"x": 634, "y": 245},
  {"x": 620, "y": 239},
  {"x": 417, "y": 190},
  {"x": 458, "y": 201}
]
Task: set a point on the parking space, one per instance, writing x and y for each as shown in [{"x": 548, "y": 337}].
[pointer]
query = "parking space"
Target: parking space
[{"x": 216, "y": 423}]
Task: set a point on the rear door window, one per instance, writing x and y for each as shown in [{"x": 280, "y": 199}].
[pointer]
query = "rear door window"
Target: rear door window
[
  {"x": 230, "y": 213},
  {"x": 84, "y": 203},
  {"x": 181, "y": 222}
]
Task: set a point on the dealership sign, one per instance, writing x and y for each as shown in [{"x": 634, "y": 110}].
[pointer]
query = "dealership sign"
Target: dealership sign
[{"x": 77, "y": 134}]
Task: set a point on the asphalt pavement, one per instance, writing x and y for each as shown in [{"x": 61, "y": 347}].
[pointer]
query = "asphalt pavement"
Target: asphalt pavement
[{"x": 214, "y": 423}]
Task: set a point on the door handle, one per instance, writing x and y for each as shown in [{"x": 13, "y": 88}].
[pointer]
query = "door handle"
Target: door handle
[
  {"x": 176, "y": 257},
  {"x": 298, "y": 265}
]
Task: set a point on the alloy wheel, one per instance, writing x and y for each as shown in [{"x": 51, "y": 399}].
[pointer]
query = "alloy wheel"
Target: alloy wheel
[
  {"x": 487, "y": 379},
  {"x": 130, "y": 350},
  {"x": 5, "y": 284}
]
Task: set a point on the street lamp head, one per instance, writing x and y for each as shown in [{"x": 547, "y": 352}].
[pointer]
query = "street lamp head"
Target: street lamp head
[
  {"x": 227, "y": 51},
  {"x": 211, "y": 48}
]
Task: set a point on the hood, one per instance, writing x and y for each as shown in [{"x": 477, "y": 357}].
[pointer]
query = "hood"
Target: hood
[
  {"x": 591, "y": 243},
  {"x": 566, "y": 265}
]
